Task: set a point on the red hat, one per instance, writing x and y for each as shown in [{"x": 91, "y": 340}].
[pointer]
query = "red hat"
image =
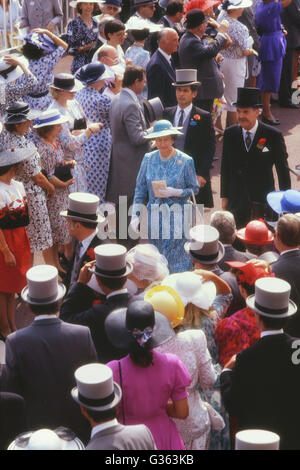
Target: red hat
[
  {"x": 200, "y": 4},
  {"x": 250, "y": 271},
  {"x": 256, "y": 232}
]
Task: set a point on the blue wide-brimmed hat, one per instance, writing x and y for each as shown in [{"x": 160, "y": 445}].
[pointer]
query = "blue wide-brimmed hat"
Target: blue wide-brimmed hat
[
  {"x": 284, "y": 201},
  {"x": 116, "y": 3},
  {"x": 42, "y": 41},
  {"x": 162, "y": 128},
  {"x": 94, "y": 72}
]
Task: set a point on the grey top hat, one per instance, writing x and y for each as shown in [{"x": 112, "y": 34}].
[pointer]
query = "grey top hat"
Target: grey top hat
[
  {"x": 272, "y": 298},
  {"x": 16, "y": 155},
  {"x": 96, "y": 389},
  {"x": 83, "y": 207},
  {"x": 185, "y": 77},
  {"x": 205, "y": 247},
  {"x": 111, "y": 261},
  {"x": 43, "y": 287}
]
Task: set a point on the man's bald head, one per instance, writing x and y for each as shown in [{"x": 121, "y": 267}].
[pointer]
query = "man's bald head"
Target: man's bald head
[{"x": 168, "y": 40}]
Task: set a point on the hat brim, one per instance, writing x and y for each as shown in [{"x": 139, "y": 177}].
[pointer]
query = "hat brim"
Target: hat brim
[
  {"x": 61, "y": 290},
  {"x": 121, "y": 337},
  {"x": 241, "y": 236},
  {"x": 74, "y": 3},
  {"x": 12, "y": 76},
  {"x": 100, "y": 218},
  {"x": 77, "y": 87},
  {"x": 250, "y": 301},
  {"x": 30, "y": 116},
  {"x": 208, "y": 289},
  {"x": 221, "y": 254},
  {"x": 113, "y": 404},
  {"x": 247, "y": 105},
  {"x": 274, "y": 200},
  {"x": 186, "y": 84},
  {"x": 155, "y": 135},
  {"x": 129, "y": 269},
  {"x": 61, "y": 120},
  {"x": 178, "y": 316}
]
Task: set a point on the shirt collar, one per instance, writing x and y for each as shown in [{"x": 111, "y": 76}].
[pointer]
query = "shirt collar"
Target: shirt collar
[
  {"x": 271, "y": 332},
  {"x": 252, "y": 131},
  {"x": 186, "y": 112},
  {"x": 289, "y": 251},
  {"x": 45, "y": 317},
  {"x": 131, "y": 92},
  {"x": 102, "y": 426},
  {"x": 86, "y": 242},
  {"x": 117, "y": 292},
  {"x": 169, "y": 21},
  {"x": 166, "y": 56}
]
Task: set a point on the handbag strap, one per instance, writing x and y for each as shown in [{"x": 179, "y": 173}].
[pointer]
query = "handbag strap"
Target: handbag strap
[
  {"x": 121, "y": 385},
  {"x": 193, "y": 197}
]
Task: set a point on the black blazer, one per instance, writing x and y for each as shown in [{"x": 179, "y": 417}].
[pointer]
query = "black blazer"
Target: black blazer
[
  {"x": 40, "y": 363},
  {"x": 247, "y": 177},
  {"x": 200, "y": 144},
  {"x": 287, "y": 267},
  {"x": 195, "y": 54},
  {"x": 290, "y": 18},
  {"x": 231, "y": 254},
  {"x": 78, "y": 308},
  {"x": 160, "y": 76},
  {"x": 86, "y": 258},
  {"x": 263, "y": 389}
]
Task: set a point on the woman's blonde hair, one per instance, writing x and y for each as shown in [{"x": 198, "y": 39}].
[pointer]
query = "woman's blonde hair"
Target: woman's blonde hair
[
  {"x": 193, "y": 315},
  {"x": 54, "y": 92}
]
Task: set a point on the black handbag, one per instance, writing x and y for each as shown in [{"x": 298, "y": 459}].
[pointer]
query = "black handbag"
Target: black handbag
[{"x": 63, "y": 172}]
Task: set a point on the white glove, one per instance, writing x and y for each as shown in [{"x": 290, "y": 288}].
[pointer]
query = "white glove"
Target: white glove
[
  {"x": 170, "y": 192},
  {"x": 134, "y": 223}
]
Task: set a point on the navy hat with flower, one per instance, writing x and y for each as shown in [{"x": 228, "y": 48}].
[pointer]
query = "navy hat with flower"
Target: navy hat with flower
[{"x": 94, "y": 72}]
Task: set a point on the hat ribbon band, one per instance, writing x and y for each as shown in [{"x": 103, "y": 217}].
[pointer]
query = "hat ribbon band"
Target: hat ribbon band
[
  {"x": 204, "y": 257},
  {"x": 117, "y": 272},
  {"x": 38, "y": 122},
  {"x": 98, "y": 401},
  {"x": 271, "y": 310},
  {"x": 10, "y": 116},
  {"x": 64, "y": 83},
  {"x": 4, "y": 73},
  {"x": 91, "y": 217},
  {"x": 185, "y": 82},
  {"x": 43, "y": 300}
]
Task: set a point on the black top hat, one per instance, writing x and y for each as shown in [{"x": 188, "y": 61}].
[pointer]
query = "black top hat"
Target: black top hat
[
  {"x": 20, "y": 112},
  {"x": 121, "y": 323},
  {"x": 248, "y": 98},
  {"x": 195, "y": 18}
]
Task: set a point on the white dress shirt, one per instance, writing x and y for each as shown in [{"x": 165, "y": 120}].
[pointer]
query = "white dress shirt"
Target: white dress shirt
[
  {"x": 117, "y": 292},
  {"x": 288, "y": 251},
  {"x": 102, "y": 426},
  {"x": 186, "y": 113},
  {"x": 252, "y": 132},
  {"x": 166, "y": 56},
  {"x": 45, "y": 317}
]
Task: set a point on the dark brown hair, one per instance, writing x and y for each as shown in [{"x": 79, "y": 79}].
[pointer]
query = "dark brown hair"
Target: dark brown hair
[
  {"x": 288, "y": 230},
  {"x": 79, "y": 10},
  {"x": 44, "y": 131}
]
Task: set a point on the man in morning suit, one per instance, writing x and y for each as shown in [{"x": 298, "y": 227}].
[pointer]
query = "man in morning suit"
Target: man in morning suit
[
  {"x": 250, "y": 150},
  {"x": 287, "y": 267},
  {"x": 82, "y": 220},
  {"x": 98, "y": 396},
  {"x": 195, "y": 54},
  {"x": 261, "y": 385},
  {"x": 111, "y": 271},
  {"x": 41, "y": 358},
  {"x": 198, "y": 139},
  {"x": 160, "y": 69}
]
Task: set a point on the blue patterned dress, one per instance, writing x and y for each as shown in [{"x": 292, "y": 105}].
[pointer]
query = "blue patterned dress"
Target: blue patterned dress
[
  {"x": 80, "y": 35},
  {"x": 167, "y": 235},
  {"x": 141, "y": 57},
  {"x": 98, "y": 148},
  {"x": 42, "y": 69}
]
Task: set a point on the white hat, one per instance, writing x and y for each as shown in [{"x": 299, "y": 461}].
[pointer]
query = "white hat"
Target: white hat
[
  {"x": 256, "y": 439},
  {"x": 74, "y": 3},
  {"x": 43, "y": 287},
  {"x": 235, "y": 4},
  {"x": 16, "y": 155},
  {"x": 10, "y": 73},
  {"x": 139, "y": 24},
  {"x": 148, "y": 263},
  {"x": 205, "y": 247},
  {"x": 84, "y": 208},
  {"x": 46, "y": 439},
  {"x": 50, "y": 117},
  {"x": 96, "y": 389},
  {"x": 271, "y": 298},
  {"x": 192, "y": 289}
]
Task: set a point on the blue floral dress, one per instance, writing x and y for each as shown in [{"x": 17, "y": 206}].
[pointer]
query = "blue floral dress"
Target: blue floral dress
[
  {"x": 15, "y": 91},
  {"x": 98, "y": 148},
  {"x": 167, "y": 234},
  {"x": 42, "y": 69},
  {"x": 78, "y": 35},
  {"x": 141, "y": 57}
]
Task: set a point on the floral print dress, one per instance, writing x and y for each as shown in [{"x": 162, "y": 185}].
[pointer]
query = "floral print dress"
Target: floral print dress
[
  {"x": 15, "y": 91},
  {"x": 79, "y": 34}
]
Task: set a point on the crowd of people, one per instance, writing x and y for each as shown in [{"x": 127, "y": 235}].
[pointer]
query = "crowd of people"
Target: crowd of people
[{"x": 152, "y": 329}]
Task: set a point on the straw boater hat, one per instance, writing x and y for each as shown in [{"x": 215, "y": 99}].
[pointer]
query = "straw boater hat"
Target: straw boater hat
[
  {"x": 46, "y": 439},
  {"x": 185, "y": 77},
  {"x": 256, "y": 439},
  {"x": 205, "y": 247},
  {"x": 43, "y": 287},
  {"x": 50, "y": 117},
  {"x": 84, "y": 208},
  {"x": 121, "y": 325},
  {"x": 16, "y": 155},
  {"x": 10, "y": 73},
  {"x": 256, "y": 232},
  {"x": 272, "y": 298},
  {"x": 111, "y": 261},
  {"x": 19, "y": 111},
  {"x": 96, "y": 389},
  {"x": 284, "y": 201},
  {"x": 66, "y": 82},
  {"x": 162, "y": 128}
]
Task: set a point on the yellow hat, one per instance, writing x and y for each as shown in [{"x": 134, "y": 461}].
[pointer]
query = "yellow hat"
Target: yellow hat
[{"x": 165, "y": 300}]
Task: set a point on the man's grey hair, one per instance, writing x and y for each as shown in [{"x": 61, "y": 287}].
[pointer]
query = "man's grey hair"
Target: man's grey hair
[
  {"x": 224, "y": 222},
  {"x": 163, "y": 33}
]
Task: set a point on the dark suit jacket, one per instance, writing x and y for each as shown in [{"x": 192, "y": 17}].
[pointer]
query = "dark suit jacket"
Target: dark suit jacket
[
  {"x": 40, "y": 363},
  {"x": 290, "y": 18},
  {"x": 263, "y": 389},
  {"x": 200, "y": 144},
  {"x": 287, "y": 267},
  {"x": 78, "y": 308},
  {"x": 121, "y": 437},
  {"x": 87, "y": 257},
  {"x": 247, "y": 177},
  {"x": 160, "y": 76},
  {"x": 231, "y": 254},
  {"x": 195, "y": 54}
]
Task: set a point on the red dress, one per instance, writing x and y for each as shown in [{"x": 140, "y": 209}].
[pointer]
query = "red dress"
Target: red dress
[
  {"x": 13, "y": 219},
  {"x": 236, "y": 333}
]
